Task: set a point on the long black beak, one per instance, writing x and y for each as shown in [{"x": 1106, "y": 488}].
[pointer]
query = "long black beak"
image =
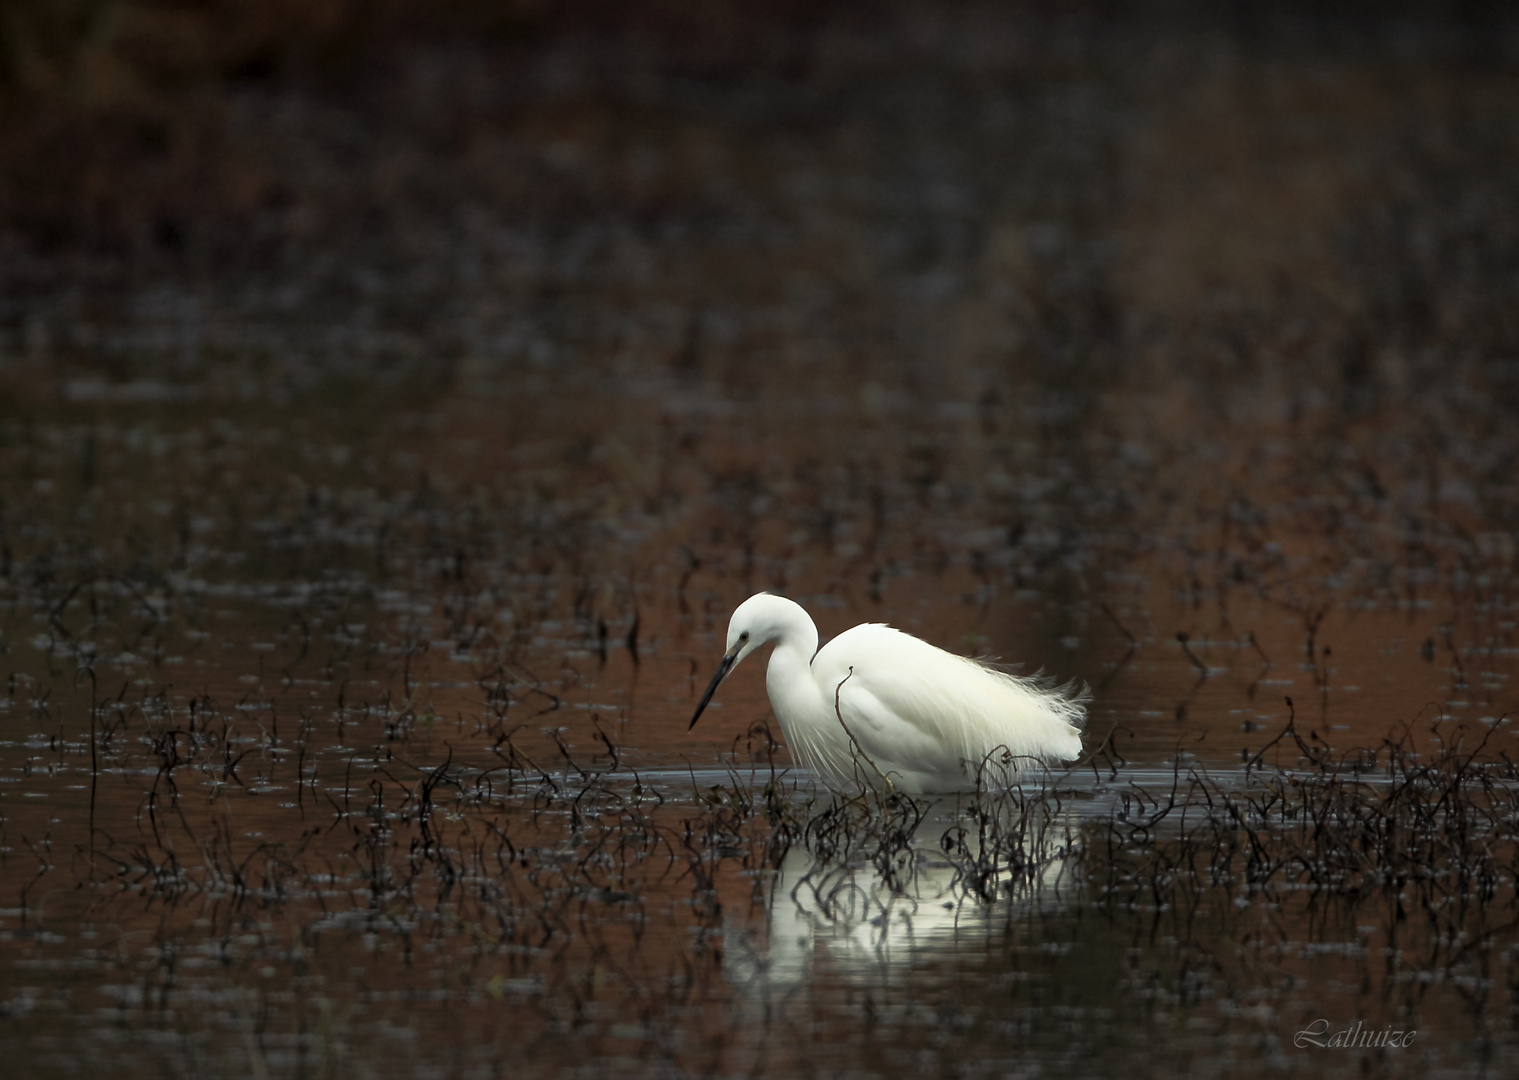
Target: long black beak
[{"x": 729, "y": 659}]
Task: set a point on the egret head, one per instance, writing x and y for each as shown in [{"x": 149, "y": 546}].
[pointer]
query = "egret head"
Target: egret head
[{"x": 759, "y": 619}]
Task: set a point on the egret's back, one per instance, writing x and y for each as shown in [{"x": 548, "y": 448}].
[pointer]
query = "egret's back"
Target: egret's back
[{"x": 934, "y": 718}]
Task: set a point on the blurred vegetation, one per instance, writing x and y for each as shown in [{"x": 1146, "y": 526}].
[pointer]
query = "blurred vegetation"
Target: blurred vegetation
[
  {"x": 111, "y": 111},
  {"x": 45, "y": 43},
  {"x": 101, "y": 53},
  {"x": 111, "y": 108}
]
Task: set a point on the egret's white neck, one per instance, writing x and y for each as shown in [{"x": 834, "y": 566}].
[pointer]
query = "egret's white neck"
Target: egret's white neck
[{"x": 788, "y": 680}]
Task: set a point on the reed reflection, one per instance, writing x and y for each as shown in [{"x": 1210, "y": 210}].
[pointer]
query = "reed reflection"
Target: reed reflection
[{"x": 873, "y": 888}]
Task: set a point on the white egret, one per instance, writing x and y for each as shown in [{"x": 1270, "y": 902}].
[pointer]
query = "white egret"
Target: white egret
[{"x": 878, "y": 708}]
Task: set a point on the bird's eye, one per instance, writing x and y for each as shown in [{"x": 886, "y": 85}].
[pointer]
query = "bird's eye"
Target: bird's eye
[{"x": 744, "y": 636}]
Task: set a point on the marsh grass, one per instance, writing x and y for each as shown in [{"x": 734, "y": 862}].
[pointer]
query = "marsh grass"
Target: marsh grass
[
  {"x": 393, "y": 796},
  {"x": 609, "y": 897}
]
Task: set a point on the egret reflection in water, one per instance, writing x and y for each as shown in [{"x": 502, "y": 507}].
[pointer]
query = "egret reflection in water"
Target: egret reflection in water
[{"x": 874, "y": 889}]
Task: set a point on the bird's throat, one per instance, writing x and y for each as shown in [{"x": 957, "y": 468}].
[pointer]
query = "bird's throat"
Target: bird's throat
[{"x": 793, "y": 689}]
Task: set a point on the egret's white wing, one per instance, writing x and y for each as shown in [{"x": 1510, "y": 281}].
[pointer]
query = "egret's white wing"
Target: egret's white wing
[
  {"x": 933, "y": 717},
  {"x": 895, "y": 745}
]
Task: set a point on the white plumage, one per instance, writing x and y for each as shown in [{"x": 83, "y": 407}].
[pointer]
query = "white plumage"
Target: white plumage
[{"x": 877, "y": 708}]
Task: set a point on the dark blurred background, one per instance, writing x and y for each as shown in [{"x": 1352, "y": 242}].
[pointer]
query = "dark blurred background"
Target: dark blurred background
[{"x": 1030, "y": 290}]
